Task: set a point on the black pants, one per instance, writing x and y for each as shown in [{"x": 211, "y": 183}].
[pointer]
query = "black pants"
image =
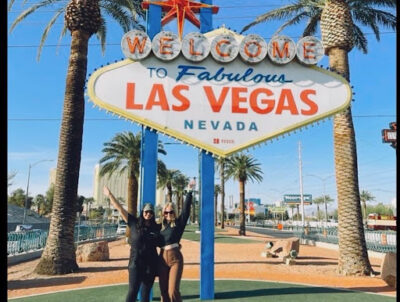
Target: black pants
[{"x": 139, "y": 277}]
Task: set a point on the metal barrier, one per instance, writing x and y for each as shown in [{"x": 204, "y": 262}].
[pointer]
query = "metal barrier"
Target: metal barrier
[
  {"x": 22, "y": 242},
  {"x": 378, "y": 241}
]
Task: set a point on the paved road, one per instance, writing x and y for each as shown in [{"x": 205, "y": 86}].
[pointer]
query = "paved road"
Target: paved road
[{"x": 269, "y": 232}]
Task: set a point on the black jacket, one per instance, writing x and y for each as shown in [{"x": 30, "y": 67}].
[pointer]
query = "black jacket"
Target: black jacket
[
  {"x": 173, "y": 235},
  {"x": 143, "y": 241}
]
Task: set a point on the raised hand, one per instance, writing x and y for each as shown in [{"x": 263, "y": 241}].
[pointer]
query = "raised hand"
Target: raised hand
[
  {"x": 106, "y": 191},
  {"x": 192, "y": 184}
]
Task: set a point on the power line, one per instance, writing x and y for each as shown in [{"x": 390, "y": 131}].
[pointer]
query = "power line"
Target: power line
[
  {"x": 220, "y": 7},
  {"x": 122, "y": 119}
]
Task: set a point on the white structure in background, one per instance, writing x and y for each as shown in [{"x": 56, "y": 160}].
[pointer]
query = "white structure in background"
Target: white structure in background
[
  {"x": 52, "y": 178},
  {"x": 118, "y": 184},
  {"x": 394, "y": 207}
]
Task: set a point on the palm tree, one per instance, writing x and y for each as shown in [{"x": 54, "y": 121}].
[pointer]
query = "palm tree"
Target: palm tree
[
  {"x": 82, "y": 19},
  {"x": 217, "y": 190},
  {"x": 88, "y": 202},
  {"x": 165, "y": 180},
  {"x": 39, "y": 201},
  {"x": 339, "y": 35},
  {"x": 292, "y": 206},
  {"x": 317, "y": 201},
  {"x": 221, "y": 168},
  {"x": 180, "y": 182},
  {"x": 243, "y": 167},
  {"x": 366, "y": 196},
  {"x": 10, "y": 177},
  {"x": 123, "y": 153}
]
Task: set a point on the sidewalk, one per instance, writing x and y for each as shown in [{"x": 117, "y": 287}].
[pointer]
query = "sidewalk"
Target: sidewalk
[{"x": 314, "y": 266}]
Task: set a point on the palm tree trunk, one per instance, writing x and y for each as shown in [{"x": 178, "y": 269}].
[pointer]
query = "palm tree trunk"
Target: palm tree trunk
[
  {"x": 193, "y": 211},
  {"x": 364, "y": 203},
  {"x": 353, "y": 256},
  {"x": 169, "y": 193},
  {"x": 133, "y": 190},
  {"x": 59, "y": 256},
  {"x": 222, "y": 176},
  {"x": 242, "y": 230},
  {"x": 132, "y": 202},
  {"x": 180, "y": 203}
]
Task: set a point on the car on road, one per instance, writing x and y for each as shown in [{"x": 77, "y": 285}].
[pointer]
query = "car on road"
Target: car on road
[
  {"x": 121, "y": 229},
  {"x": 23, "y": 227}
]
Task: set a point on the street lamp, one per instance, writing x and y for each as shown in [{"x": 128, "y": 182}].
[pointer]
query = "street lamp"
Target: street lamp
[
  {"x": 27, "y": 185},
  {"x": 323, "y": 179}
]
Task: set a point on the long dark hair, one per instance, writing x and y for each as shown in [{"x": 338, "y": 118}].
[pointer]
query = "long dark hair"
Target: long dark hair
[{"x": 141, "y": 223}]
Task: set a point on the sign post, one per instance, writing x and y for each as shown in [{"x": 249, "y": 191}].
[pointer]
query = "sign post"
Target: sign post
[
  {"x": 149, "y": 142},
  {"x": 207, "y": 195}
]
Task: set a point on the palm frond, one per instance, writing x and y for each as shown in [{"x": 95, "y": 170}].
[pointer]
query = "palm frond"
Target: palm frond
[
  {"x": 292, "y": 21},
  {"x": 47, "y": 30},
  {"x": 62, "y": 34},
  {"x": 360, "y": 41},
  {"x": 383, "y": 3},
  {"x": 117, "y": 13},
  {"x": 29, "y": 11},
  {"x": 280, "y": 13},
  {"x": 10, "y": 4},
  {"x": 101, "y": 35},
  {"x": 312, "y": 24}
]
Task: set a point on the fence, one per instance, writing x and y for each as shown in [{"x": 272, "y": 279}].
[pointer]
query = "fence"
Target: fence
[
  {"x": 378, "y": 241},
  {"x": 22, "y": 242}
]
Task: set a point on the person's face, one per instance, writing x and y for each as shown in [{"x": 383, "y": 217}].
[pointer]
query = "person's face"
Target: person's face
[
  {"x": 169, "y": 213},
  {"x": 148, "y": 215}
]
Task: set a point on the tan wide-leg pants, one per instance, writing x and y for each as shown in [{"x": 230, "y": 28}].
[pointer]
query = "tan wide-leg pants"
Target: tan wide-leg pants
[{"x": 170, "y": 270}]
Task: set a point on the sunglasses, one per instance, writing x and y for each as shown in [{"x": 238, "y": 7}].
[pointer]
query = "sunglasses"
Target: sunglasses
[
  {"x": 149, "y": 212},
  {"x": 168, "y": 212}
]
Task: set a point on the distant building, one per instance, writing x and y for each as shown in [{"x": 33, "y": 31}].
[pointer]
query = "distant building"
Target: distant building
[
  {"x": 52, "y": 178},
  {"x": 117, "y": 183}
]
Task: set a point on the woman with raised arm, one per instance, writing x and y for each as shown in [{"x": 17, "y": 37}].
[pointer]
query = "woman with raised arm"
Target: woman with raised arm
[
  {"x": 144, "y": 238},
  {"x": 170, "y": 265}
]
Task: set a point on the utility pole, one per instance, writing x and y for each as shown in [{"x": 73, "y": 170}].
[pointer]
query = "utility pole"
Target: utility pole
[
  {"x": 301, "y": 186},
  {"x": 27, "y": 186}
]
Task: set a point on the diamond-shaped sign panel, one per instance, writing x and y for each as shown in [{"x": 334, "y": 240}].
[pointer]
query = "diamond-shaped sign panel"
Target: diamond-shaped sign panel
[{"x": 221, "y": 108}]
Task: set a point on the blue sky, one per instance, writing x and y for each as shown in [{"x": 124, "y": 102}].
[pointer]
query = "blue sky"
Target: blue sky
[{"x": 35, "y": 101}]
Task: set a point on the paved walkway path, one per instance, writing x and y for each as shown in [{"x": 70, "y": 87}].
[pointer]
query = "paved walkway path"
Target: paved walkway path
[{"x": 314, "y": 266}]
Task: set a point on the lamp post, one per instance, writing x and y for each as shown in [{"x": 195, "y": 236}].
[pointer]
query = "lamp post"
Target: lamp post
[
  {"x": 27, "y": 185},
  {"x": 323, "y": 179}
]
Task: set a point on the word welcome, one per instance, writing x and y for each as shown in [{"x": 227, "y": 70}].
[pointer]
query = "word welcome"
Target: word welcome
[{"x": 224, "y": 48}]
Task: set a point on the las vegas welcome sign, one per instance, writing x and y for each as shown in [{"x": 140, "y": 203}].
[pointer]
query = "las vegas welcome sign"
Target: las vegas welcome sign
[{"x": 220, "y": 92}]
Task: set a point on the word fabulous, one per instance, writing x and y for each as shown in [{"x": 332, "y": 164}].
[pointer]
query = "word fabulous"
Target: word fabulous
[{"x": 224, "y": 48}]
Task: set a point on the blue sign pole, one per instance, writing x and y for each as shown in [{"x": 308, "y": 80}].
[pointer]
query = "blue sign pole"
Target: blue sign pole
[
  {"x": 149, "y": 143},
  {"x": 207, "y": 196},
  {"x": 207, "y": 227}
]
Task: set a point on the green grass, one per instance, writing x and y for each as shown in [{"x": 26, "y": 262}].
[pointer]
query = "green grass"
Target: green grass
[
  {"x": 219, "y": 237},
  {"x": 225, "y": 290}
]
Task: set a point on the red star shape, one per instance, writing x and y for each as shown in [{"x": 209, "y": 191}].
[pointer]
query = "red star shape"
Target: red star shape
[{"x": 180, "y": 9}]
